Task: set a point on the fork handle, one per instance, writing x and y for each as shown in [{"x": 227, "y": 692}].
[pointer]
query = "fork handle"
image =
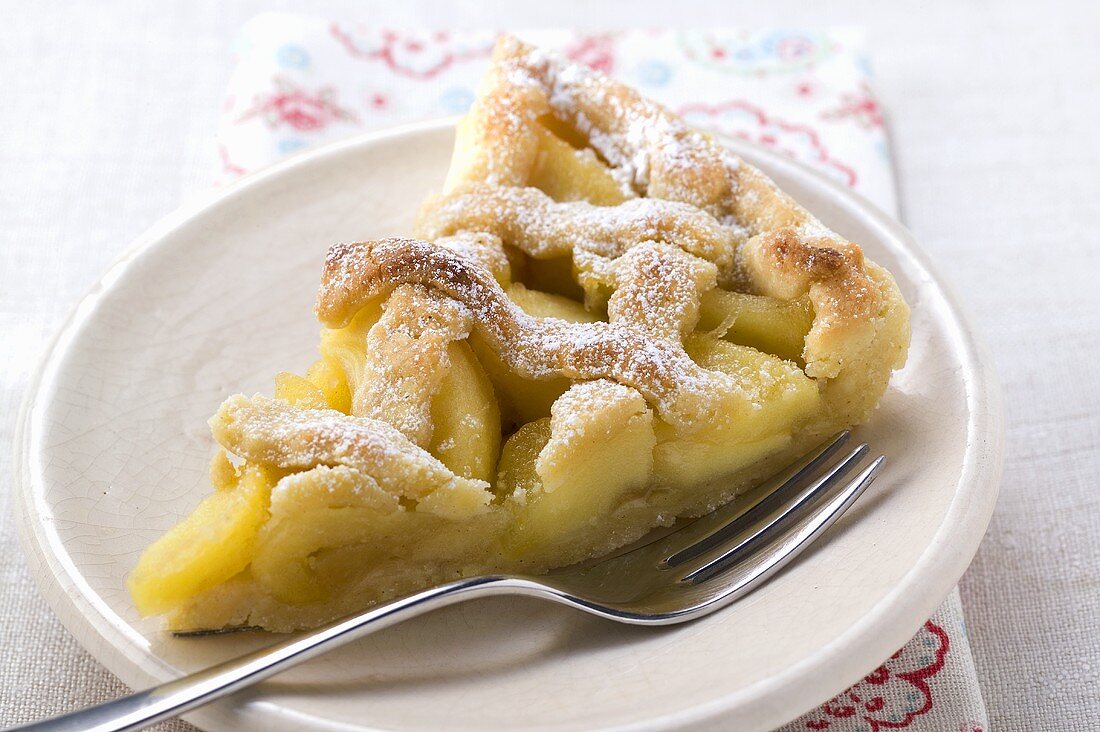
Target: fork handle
[{"x": 176, "y": 697}]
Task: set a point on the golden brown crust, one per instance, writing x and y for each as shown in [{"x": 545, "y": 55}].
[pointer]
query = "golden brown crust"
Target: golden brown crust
[
  {"x": 788, "y": 252},
  {"x": 406, "y": 359},
  {"x": 553, "y": 162},
  {"x": 542, "y": 348},
  {"x": 272, "y": 432},
  {"x": 658, "y": 288},
  {"x": 531, "y": 221}
]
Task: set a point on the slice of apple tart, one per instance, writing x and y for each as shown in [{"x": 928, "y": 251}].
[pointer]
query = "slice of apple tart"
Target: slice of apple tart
[{"x": 608, "y": 321}]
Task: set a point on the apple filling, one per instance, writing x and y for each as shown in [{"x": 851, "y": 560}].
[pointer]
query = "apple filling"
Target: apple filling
[{"x": 608, "y": 322}]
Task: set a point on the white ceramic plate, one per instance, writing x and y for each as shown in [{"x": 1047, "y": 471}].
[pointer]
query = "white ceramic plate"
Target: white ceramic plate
[{"x": 217, "y": 298}]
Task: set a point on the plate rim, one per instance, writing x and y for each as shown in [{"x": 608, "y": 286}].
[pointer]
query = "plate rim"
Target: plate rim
[{"x": 912, "y": 600}]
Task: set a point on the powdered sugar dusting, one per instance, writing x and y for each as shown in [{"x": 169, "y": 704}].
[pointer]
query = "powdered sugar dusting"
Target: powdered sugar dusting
[
  {"x": 530, "y": 220},
  {"x": 270, "y": 431},
  {"x": 658, "y": 288},
  {"x": 406, "y": 359},
  {"x": 536, "y": 348}
]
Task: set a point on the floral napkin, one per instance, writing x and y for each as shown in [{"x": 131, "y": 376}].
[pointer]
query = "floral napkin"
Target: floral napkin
[{"x": 302, "y": 81}]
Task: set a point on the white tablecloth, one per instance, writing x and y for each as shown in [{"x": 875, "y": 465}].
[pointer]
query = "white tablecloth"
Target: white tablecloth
[{"x": 107, "y": 125}]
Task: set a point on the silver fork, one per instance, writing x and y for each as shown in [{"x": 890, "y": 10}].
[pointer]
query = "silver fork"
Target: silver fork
[{"x": 671, "y": 576}]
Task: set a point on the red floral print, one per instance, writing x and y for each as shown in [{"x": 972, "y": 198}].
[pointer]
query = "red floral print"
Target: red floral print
[
  {"x": 297, "y": 108},
  {"x": 228, "y": 166},
  {"x": 894, "y": 694},
  {"x": 596, "y": 51},
  {"x": 860, "y": 107},
  {"x": 412, "y": 56},
  {"x": 742, "y": 119}
]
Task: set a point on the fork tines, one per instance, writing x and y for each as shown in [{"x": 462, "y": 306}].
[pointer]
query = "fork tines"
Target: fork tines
[{"x": 777, "y": 520}]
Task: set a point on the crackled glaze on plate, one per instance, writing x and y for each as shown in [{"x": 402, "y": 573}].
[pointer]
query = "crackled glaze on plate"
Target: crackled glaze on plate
[{"x": 217, "y": 298}]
